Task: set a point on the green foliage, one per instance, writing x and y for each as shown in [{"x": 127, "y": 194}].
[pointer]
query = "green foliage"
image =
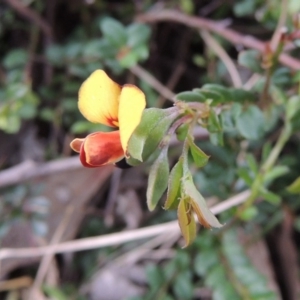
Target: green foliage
[
  {"x": 294, "y": 188},
  {"x": 215, "y": 262},
  {"x": 253, "y": 131},
  {"x": 216, "y": 94},
  {"x": 251, "y": 59},
  {"x": 119, "y": 48},
  {"x": 17, "y": 100},
  {"x": 149, "y": 133},
  {"x": 250, "y": 123},
  {"x": 199, "y": 157},
  {"x": 24, "y": 204},
  {"x": 174, "y": 185},
  {"x": 158, "y": 179}
]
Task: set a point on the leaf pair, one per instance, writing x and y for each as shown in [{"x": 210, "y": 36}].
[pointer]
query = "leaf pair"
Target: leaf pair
[{"x": 183, "y": 194}]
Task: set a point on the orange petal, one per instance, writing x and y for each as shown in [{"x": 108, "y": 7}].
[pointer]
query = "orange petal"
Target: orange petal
[
  {"x": 76, "y": 144},
  {"x": 132, "y": 104},
  {"x": 101, "y": 148},
  {"x": 99, "y": 99}
]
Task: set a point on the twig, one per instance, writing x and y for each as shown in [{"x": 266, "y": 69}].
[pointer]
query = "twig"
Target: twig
[
  {"x": 15, "y": 284},
  {"x": 30, "y": 169},
  {"x": 252, "y": 81},
  {"x": 46, "y": 260},
  {"x": 172, "y": 82},
  {"x": 281, "y": 22},
  {"x": 133, "y": 256},
  {"x": 114, "y": 238},
  {"x": 30, "y": 15},
  {"x": 229, "y": 34},
  {"x": 112, "y": 197},
  {"x": 223, "y": 55},
  {"x": 151, "y": 80}
]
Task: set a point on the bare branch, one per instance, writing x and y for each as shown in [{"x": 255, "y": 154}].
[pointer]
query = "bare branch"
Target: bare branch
[
  {"x": 228, "y": 34},
  {"x": 151, "y": 80},
  {"x": 30, "y": 169},
  {"x": 223, "y": 55},
  {"x": 114, "y": 238},
  {"x": 31, "y": 15}
]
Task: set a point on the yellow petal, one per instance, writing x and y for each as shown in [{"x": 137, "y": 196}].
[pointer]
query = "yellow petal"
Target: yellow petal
[
  {"x": 99, "y": 99},
  {"x": 131, "y": 106}
]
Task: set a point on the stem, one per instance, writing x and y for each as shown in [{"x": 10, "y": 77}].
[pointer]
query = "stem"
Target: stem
[
  {"x": 270, "y": 71},
  {"x": 269, "y": 163},
  {"x": 283, "y": 138}
]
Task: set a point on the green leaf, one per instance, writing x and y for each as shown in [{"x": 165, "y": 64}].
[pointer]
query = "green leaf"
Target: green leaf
[
  {"x": 174, "y": 189},
  {"x": 106, "y": 50},
  {"x": 182, "y": 131},
  {"x": 270, "y": 197},
  {"x": 114, "y": 32},
  {"x": 199, "y": 157},
  {"x": 221, "y": 90},
  {"x": 129, "y": 60},
  {"x": 188, "y": 7},
  {"x": 242, "y": 96},
  {"x": 141, "y": 52},
  {"x": 10, "y": 124},
  {"x": 205, "y": 260},
  {"x": 294, "y": 188},
  {"x": 55, "y": 54},
  {"x": 281, "y": 76},
  {"x": 214, "y": 127},
  {"x": 75, "y": 49},
  {"x": 186, "y": 222},
  {"x": 250, "y": 123},
  {"x": 78, "y": 70},
  {"x": 216, "y": 138},
  {"x": 249, "y": 213},
  {"x": 183, "y": 287},
  {"x": 15, "y": 58},
  {"x": 244, "y": 173},
  {"x": 292, "y": 107},
  {"x": 191, "y": 97},
  {"x": 158, "y": 179},
  {"x": 251, "y": 59},
  {"x": 214, "y": 124},
  {"x": 266, "y": 150},
  {"x": 251, "y": 161},
  {"x": 27, "y": 111},
  {"x": 213, "y": 95},
  {"x": 92, "y": 49},
  {"x": 54, "y": 293},
  {"x": 137, "y": 34},
  {"x": 205, "y": 216},
  {"x": 275, "y": 172},
  {"x": 244, "y": 8},
  {"x": 149, "y": 133},
  {"x": 155, "y": 276}
]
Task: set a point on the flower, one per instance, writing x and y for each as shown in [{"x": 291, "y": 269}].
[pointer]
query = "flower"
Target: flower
[{"x": 103, "y": 101}]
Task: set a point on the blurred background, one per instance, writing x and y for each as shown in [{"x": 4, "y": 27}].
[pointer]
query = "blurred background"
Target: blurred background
[{"x": 47, "y": 49}]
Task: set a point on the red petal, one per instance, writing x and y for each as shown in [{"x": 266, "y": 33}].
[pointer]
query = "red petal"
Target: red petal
[
  {"x": 101, "y": 148},
  {"x": 76, "y": 145}
]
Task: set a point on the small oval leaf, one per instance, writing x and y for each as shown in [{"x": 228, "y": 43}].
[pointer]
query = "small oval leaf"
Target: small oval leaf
[
  {"x": 193, "y": 96},
  {"x": 186, "y": 222},
  {"x": 174, "y": 189},
  {"x": 114, "y": 31},
  {"x": 158, "y": 179},
  {"x": 205, "y": 216},
  {"x": 199, "y": 157},
  {"x": 154, "y": 124}
]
